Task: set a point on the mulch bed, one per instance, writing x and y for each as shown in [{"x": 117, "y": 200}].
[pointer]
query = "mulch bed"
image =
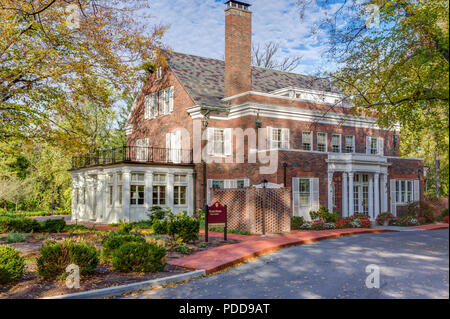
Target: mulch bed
[{"x": 31, "y": 286}]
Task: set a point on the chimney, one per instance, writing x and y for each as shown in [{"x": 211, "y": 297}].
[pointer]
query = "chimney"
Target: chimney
[{"x": 238, "y": 48}]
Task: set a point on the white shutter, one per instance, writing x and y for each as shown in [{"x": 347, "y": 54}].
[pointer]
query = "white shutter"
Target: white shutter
[
  {"x": 285, "y": 138},
  {"x": 147, "y": 107},
  {"x": 295, "y": 199},
  {"x": 416, "y": 190},
  {"x": 208, "y": 191},
  {"x": 269, "y": 137},
  {"x": 171, "y": 99},
  {"x": 161, "y": 102},
  {"x": 175, "y": 146},
  {"x": 392, "y": 192},
  {"x": 228, "y": 141},
  {"x": 155, "y": 104},
  {"x": 146, "y": 149},
  {"x": 380, "y": 146},
  {"x": 210, "y": 141},
  {"x": 168, "y": 140},
  {"x": 246, "y": 182},
  {"x": 367, "y": 145},
  {"x": 314, "y": 191}
]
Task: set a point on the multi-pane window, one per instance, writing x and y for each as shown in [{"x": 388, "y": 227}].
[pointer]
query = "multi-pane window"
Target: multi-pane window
[
  {"x": 373, "y": 145},
  {"x": 180, "y": 187},
  {"x": 219, "y": 142},
  {"x": 349, "y": 143},
  {"x": 322, "y": 142},
  {"x": 304, "y": 192},
  {"x": 159, "y": 73},
  {"x": 403, "y": 191},
  {"x": 276, "y": 140},
  {"x": 218, "y": 184},
  {"x": 142, "y": 149},
  {"x": 77, "y": 195},
  {"x": 110, "y": 189},
  {"x": 240, "y": 183},
  {"x": 159, "y": 189},
  {"x": 119, "y": 189},
  {"x": 336, "y": 143},
  {"x": 84, "y": 195},
  {"x": 137, "y": 189},
  {"x": 307, "y": 141}
]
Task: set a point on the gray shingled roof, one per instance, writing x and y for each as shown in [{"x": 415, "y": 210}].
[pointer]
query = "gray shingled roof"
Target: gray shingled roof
[{"x": 203, "y": 78}]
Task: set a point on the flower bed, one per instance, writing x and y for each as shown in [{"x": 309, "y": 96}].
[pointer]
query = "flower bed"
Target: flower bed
[{"x": 357, "y": 221}]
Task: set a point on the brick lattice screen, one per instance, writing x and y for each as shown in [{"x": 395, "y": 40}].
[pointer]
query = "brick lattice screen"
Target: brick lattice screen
[{"x": 245, "y": 208}]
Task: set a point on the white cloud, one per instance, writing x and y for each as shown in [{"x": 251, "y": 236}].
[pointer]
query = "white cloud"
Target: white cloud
[{"x": 198, "y": 27}]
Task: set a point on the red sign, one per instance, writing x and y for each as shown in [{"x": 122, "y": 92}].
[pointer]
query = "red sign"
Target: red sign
[{"x": 217, "y": 214}]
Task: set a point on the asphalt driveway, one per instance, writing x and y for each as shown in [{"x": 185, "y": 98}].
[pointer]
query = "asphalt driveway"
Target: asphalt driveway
[{"x": 412, "y": 265}]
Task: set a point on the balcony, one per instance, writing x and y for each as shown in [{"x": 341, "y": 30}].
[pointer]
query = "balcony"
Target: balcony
[{"x": 133, "y": 154}]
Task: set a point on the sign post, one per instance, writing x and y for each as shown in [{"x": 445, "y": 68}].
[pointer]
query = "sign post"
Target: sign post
[
  {"x": 217, "y": 217},
  {"x": 206, "y": 222}
]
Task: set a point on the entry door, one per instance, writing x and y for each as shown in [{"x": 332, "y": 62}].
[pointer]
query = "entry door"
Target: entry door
[{"x": 361, "y": 193}]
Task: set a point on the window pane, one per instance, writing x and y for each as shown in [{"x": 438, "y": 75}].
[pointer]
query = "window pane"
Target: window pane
[
  {"x": 240, "y": 183},
  {"x": 321, "y": 142},
  {"x": 306, "y": 140},
  {"x": 217, "y": 184}
]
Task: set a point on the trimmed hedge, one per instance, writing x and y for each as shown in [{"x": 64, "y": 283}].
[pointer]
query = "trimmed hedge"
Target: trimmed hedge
[
  {"x": 53, "y": 225},
  {"x": 297, "y": 222},
  {"x": 18, "y": 224},
  {"x": 139, "y": 257},
  {"x": 114, "y": 241},
  {"x": 11, "y": 264},
  {"x": 184, "y": 227},
  {"x": 55, "y": 257}
]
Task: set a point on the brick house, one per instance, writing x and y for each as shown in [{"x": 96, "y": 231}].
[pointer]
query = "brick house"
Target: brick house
[{"x": 191, "y": 130}]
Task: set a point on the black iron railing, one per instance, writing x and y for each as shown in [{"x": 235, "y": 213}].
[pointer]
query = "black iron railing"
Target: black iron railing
[{"x": 135, "y": 154}]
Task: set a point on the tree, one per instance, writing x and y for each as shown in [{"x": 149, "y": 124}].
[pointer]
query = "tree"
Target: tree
[
  {"x": 50, "y": 57},
  {"x": 392, "y": 60},
  {"x": 14, "y": 190},
  {"x": 266, "y": 57}
]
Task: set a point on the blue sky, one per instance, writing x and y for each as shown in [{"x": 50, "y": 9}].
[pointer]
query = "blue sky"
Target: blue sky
[{"x": 198, "y": 27}]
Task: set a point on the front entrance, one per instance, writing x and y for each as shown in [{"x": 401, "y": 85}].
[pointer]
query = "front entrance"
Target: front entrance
[{"x": 361, "y": 194}]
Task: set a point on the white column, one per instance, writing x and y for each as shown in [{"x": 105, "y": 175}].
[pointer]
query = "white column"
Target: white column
[
  {"x": 190, "y": 195},
  {"x": 377, "y": 195},
  {"x": 330, "y": 192},
  {"x": 384, "y": 193},
  {"x": 344, "y": 194},
  {"x": 169, "y": 195},
  {"x": 351, "y": 206},
  {"x": 101, "y": 198},
  {"x": 371, "y": 196},
  {"x": 126, "y": 179}
]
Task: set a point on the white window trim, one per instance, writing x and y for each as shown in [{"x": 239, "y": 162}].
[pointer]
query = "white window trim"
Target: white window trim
[
  {"x": 408, "y": 183},
  {"x": 179, "y": 183},
  {"x": 137, "y": 183},
  {"x": 340, "y": 143},
  {"x": 227, "y": 141},
  {"x": 311, "y": 141},
  {"x": 159, "y": 73},
  {"x": 326, "y": 142},
  {"x": 156, "y": 183},
  {"x": 353, "y": 143}
]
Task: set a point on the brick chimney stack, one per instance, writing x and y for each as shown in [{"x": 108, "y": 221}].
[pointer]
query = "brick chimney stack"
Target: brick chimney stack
[{"x": 238, "y": 48}]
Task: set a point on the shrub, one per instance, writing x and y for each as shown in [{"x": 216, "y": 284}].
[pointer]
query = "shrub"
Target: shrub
[
  {"x": 139, "y": 257},
  {"x": 11, "y": 264},
  {"x": 317, "y": 225},
  {"x": 160, "y": 227},
  {"x": 445, "y": 219},
  {"x": 18, "y": 224},
  {"x": 297, "y": 222},
  {"x": 444, "y": 213},
  {"x": 184, "y": 227},
  {"x": 385, "y": 217},
  {"x": 158, "y": 213},
  {"x": 53, "y": 225},
  {"x": 114, "y": 240},
  {"x": 15, "y": 238},
  {"x": 125, "y": 228},
  {"x": 324, "y": 215},
  {"x": 422, "y": 210},
  {"x": 55, "y": 257},
  {"x": 343, "y": 223},
  {"x": 406, "y": 221}
]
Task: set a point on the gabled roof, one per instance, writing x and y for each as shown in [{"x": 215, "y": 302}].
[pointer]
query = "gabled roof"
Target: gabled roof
[{"x": 203, "y": 78}]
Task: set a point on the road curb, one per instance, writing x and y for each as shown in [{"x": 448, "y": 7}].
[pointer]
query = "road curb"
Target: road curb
[{"x": 119, "y": 290}]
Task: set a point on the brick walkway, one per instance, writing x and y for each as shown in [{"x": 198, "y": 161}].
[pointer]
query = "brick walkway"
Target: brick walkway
[{"x": 222, "y": 257}]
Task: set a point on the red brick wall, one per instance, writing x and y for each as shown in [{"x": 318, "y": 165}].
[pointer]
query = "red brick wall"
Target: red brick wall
[
  {"x": 238, "y": 50},
  {"x": 245, "y": 208},
  {"x": 156, "y": 129}
]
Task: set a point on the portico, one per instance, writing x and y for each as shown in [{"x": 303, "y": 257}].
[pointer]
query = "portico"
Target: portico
[{"x": 364, "y": 183}]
